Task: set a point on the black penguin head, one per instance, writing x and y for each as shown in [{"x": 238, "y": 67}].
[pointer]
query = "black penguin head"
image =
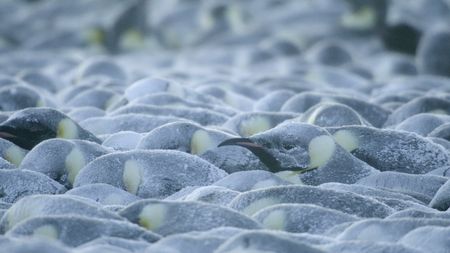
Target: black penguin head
[
  {"x": 285, "y": 147},
  {"x": 402, "y": 37},
  {"x": 23, "y": 136},
  {"x": 28, "y": 127}
]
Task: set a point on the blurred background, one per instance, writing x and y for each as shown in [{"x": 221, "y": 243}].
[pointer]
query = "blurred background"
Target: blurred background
[{"x": 289, "y": 26}]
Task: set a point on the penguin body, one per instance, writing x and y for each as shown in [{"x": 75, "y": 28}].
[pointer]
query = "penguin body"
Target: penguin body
[
  {"x": 374, "y": 114},
  {"x": 227, "y": 96},
  {"x": 67, "y": 229},
  {"x": 263, "y": 240},
  {"x": 125, "y": 140},
  {"x": 250, "y": 180},
  {"x": 98, "y": 97},
  {"x": 432, "y": 51},
  {"x": 16, "y": 184},
  {"x": 104, "y": 194},
  {"x": 332, "y": 114},
  {"x": 273, "y": 101},
  {"x": 62, "y": 159},
  {"x": 442, "y": 132},
  {"x": 422, "y": 123},
  {"x": 82, "y": 113},
  {"x": 423, "y": 104},
  {"x": 301, "y": 218},
  {"x": 379, "y": 194},
  {"x": 249, "y": 123},
  {"x": 329, "y": 52},
  {"x": 167, "y": 99},
  {"x": 14, "y": 245},
  {"x": 389, "y": 150},
  {"x": 253, "y": 201},
  {"x": 199, "y": 115},
  {"x": 421, "y": 187},
  {"x": 11, "y": 153},
  {"x": 360, "y": 229},
  {"x": 100, "y": 67},
  {"x": 112, "y": 244},
  {"x": 168, "y": 217},
  {"x": 216, "y": 195},
  {"x": 138, "y": 123},
  {"x": 149, "y": 173},
  {"x": 199, "y": 241},
  {"x": 16, "y": 97},
  {"x": 184, "y": 136},
  {"x": 38, "y": 80},
  {"x": 47, "y": 205},
  {"x": 152, "y": 85}
]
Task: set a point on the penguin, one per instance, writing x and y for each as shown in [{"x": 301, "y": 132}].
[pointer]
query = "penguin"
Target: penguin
[
  {"x": 169, "y": 217},
  {"x": 442, "y": 132},
  {"x": 19, "y": 96},
  {"x": 195, "y": 139},
  {"x": 185, "y": 136},
  {"x": 38, "y": 79},
  {"x": 371, "y": 17},
  {"x": 104, "y": 194},
  {"x": 374, "y": 114},
  {"x": 433, "y": 51},
  {"x": 149, "y": 173},
  {"x": 47, "y": 205},
  {"x": 202, "y": 116},
  {"x": 152, "y": 85},
  {"x": 100, "y": 98},
  {"x": 227, "y": 96},
  {"x": 423, "y": 123},
  {"x": 251, "y": 202},
  {"x": 327, "y": 114},
  {"x": 273, "y": 101},
  {"x": 170, "y": 100},
  {"x": 205, "y": 241},
  {"x": 130, "y": 22},
  {"x": 270, "y": 241},
  {"x": 11, "y": 153},
  {"x": 99, "y": 67},
  {"x": 422, "y": 104},
  {"x": 28, "y": 127},
  {"x": 390, "y": 150},
  {"x": 305, "y": 149},
  {"x": 211, "y": 194},
  {"x": 16, "y": 184},
  {"x": 82, "y": 113},
  {"x": 62, "y": 159},
  {"x": 329, "y": 52},
  {"x": 71, "y": 230},
  {"x": 249, "y": 123},
  {"x": 301, "y": 218}
]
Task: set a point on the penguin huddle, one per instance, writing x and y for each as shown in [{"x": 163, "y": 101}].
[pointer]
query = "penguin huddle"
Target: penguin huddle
[{"x": 224, "y": 126}]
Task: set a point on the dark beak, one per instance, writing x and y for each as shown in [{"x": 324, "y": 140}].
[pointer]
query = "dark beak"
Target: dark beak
[
  {"x": 260, "y": 151},
  {"x": 263, "y": 154},
  {"x": 7, "y": 133},
  {"x": 243, "y": 142}
]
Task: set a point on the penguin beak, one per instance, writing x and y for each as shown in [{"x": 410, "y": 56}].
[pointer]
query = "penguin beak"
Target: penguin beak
[
  {"x": 264, "y": 155},
  {"x": 6, "y": 133},
  {"x": 260, "y": 151},
  {"x": 243, "y": 142}
]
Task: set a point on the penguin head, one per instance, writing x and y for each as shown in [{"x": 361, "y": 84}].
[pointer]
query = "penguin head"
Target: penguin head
[
  {"x": 289, "y": 146},
  {"x": 28, "y": 127}
]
